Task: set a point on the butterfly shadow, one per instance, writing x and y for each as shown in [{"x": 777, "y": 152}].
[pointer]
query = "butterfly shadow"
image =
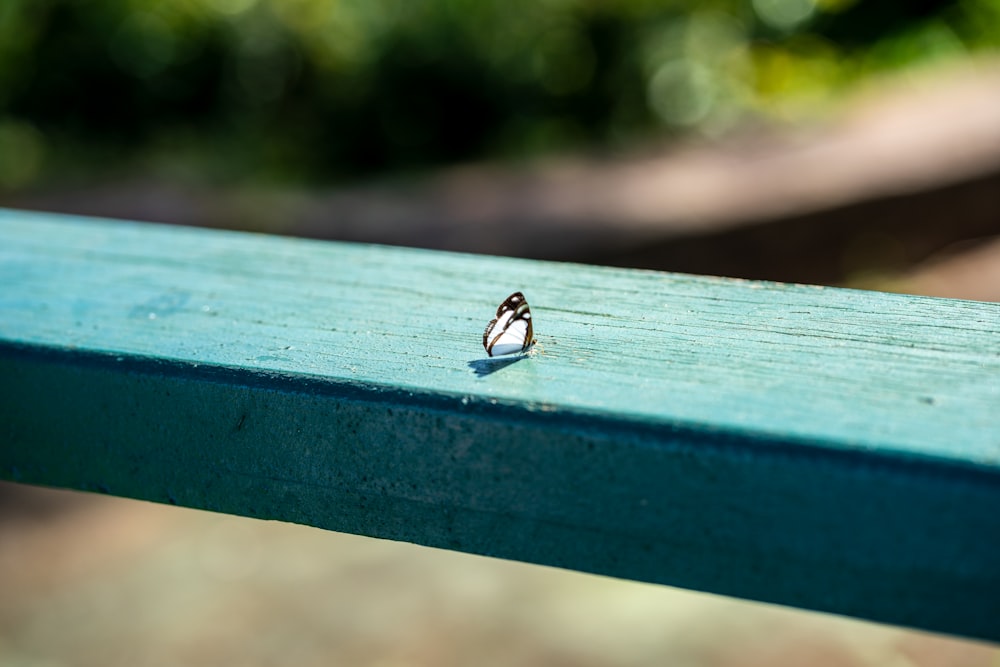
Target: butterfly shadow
[{"x": 484, "y": 367}]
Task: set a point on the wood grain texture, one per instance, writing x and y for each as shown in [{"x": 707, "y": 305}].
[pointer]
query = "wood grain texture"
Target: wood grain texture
[{"x": 830, "y": 449}]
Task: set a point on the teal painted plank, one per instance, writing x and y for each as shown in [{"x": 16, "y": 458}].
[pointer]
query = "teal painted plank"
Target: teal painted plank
[{"x": 830, "y": 449}]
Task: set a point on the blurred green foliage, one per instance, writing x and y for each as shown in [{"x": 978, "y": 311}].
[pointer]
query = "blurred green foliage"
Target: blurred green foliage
[{"x": 308, "y": 90}]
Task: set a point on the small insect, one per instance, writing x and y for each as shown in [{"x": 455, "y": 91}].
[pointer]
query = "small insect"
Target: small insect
[{"x": 510, "y": 332}]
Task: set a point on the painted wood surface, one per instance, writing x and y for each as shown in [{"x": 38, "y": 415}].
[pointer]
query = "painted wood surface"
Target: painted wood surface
[{"x": 830, "y": 449}]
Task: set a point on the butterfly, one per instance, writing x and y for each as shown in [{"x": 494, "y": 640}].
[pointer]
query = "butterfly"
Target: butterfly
[{"x": 510, "y": 332}]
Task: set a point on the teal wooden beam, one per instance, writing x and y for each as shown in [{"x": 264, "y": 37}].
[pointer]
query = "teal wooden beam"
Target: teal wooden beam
[{"x": 823, "y": 448}]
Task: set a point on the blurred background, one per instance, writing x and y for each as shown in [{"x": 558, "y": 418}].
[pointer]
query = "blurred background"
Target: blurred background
[{"x": 821, "y": 141}]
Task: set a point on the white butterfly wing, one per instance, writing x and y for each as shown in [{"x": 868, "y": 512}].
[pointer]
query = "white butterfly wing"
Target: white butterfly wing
[
  {"x": 512, "y": 335},
  {"x": 511, "y": 332}
]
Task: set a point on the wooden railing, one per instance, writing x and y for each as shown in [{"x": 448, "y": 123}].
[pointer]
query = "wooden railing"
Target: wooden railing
[{"x": 822, "y": 448}]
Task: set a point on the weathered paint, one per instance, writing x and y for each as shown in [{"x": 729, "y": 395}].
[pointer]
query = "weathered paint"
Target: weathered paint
[{"x": 830, "y": 449}]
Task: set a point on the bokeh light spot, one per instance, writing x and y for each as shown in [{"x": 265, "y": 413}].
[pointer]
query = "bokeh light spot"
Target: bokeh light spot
[
  {"x": 681, "y": 92},
  {"x": 784, "y": 14}
]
